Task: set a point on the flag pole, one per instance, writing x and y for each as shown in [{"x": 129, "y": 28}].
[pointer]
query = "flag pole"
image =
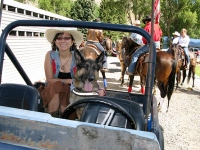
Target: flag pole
[{"x": 151, "y": 70}]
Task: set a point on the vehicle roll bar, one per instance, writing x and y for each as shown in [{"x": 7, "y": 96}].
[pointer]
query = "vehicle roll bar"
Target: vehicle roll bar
[{"x": 94, "y": 25}]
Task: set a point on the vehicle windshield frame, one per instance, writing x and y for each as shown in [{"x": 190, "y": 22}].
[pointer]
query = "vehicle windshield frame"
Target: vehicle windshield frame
[{"x": 86, "y": 24}]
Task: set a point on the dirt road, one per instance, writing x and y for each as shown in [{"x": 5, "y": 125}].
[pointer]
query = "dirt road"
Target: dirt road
[{"x": 182, "y": 121}]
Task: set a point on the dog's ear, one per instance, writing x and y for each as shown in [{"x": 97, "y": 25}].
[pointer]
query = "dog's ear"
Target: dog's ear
[
  {"x": 78, "y": 57},
  {"x": 99, "y": 59}
]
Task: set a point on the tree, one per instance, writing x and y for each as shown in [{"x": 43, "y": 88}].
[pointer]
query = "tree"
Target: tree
[
  {"x": 195, "y": 32},
  {"x": 113, "y": 11},
  {"x": 176, "y": 15},
  {"x": 61, "y": 7},
  {"x": 30, "y": 2},
  {"x": 140, "y": 8},
  {"x": 84, "y": 10}
]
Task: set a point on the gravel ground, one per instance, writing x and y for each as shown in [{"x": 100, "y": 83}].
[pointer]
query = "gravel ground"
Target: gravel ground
[{"x": 181, "y": 123}]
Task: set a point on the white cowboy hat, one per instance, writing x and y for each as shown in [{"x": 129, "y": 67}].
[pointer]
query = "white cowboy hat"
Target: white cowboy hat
[
  {"x": 137, "y": 22},
  {"x": 176, "y": 33},
  {"x": 77, "y": 35}
]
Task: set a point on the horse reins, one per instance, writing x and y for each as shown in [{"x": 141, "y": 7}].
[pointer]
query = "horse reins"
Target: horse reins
[{"x": 131, "y": 52}]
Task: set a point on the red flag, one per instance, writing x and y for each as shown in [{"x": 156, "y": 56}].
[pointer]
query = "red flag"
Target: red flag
[{"x": 157, "y": 11}]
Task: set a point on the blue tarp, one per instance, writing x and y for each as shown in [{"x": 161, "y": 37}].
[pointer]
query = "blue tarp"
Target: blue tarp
[{"x": 194, "y": 43}]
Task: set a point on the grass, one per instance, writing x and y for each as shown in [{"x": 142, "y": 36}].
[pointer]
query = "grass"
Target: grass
[{"x": 198, "y": 70}]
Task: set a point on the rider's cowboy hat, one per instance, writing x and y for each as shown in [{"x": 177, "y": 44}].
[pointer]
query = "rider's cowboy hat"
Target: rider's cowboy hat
[
  {"x": 77, "y": 35},
  {"x": 176, "y": 33},
  {"x": 147, "y": 18},
  {"x": 137, "y": 22},
  {"x": 97, "y": 20}
]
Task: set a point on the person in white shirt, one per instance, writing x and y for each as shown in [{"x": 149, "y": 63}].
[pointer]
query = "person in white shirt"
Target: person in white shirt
[
  {"x": 183, "y": 41},
  {"x": 176, "y": 37},
  {"x": 137, "y": 37}
]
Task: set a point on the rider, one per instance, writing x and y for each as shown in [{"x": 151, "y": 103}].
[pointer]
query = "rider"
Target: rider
[
  {"x": 176, "y": 37},
  {"x": 95, "y": 36},
  {"x": 175, "y": 40},
  {"x": 183, "y": 41},
  {"x": 137, "y": 37},
  {"x": 145, "y": 48}
]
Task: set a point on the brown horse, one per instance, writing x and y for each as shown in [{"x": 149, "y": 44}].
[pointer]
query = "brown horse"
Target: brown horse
[
  {"x": 107, "y": 45},
  {"x": 125, "y": 58},
  {"x": 165, "y": 69},
  {"x": 120, "y": 56},
  {"x": 179, "y": 55},
  {"x": 90, "y": 51},
  {"x": 82, "y": 44}
]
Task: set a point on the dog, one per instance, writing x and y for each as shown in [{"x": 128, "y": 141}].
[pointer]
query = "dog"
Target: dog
[{"x": 86, "y": 75}]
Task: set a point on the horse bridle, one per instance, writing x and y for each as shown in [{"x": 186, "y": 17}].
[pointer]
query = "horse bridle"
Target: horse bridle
[{"x": 131, "y": 52}]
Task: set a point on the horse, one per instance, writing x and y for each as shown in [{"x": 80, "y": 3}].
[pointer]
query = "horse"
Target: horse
[
  {"x": 90, "y": 51},
  {"x": 179, "y": 55},
  {"x": 120, "y": 55},
  {"x": 126, "y": 47},
  {"x": 165, "y": 70},
  {"x": 82, "y": 44},
  {"x": 107, "y": 45}
]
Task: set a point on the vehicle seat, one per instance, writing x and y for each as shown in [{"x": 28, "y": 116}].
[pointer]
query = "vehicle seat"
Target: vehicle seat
[
  {"x": 96, "y": 113},
  {"x": 19, "y": 96}
]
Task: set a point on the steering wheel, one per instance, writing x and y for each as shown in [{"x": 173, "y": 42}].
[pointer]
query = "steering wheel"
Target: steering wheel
[{"x": 72, "y": 108}]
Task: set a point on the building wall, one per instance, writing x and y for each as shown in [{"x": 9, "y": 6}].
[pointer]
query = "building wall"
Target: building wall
[{"x": 28, "y": 44}]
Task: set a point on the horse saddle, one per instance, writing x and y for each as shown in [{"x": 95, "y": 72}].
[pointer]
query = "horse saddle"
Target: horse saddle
[
  {"x": 94, "y": 47},
  {"x": 183, "y": 55},
  {"x": 141, "y": 60}
]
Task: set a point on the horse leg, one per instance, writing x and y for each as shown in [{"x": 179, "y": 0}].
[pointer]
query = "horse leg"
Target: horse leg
[
  {"x": 121, "y": 65},
  {"x": 184, "y": 75},
  {"x": 177, "y": 79},
  {"x": 123, "y": 73},
  {"x": 131, "y": 78},
  {"x": 191, "y": 71},
  {"x": 104, "y": 79},
  {"x": 142, "y": 84},
  {"x": 154, "y": 87},
  {"x": 160, "y": 104},
  {"x": 193, "y": 75},
  {"x": 163, "y": 93}
]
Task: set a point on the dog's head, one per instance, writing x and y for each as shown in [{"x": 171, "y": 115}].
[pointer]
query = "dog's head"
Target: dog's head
[{"x": 87, "y": 72}]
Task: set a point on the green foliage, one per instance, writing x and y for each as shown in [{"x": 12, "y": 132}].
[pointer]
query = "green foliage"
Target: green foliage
[
  {"x": 197, "y": 70},
  {"x": 61, "y": 7},
  {"x": 113, "y": 11},
  {"x": 84, "y": 10},
  {"x": 141, "y": 8},
  {"x": 176, "y": 15}
]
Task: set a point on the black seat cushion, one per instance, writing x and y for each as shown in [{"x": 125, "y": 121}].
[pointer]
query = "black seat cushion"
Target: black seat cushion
[
  {"x": 19, "y": 96},
  {"x": 96, "y": 113}
]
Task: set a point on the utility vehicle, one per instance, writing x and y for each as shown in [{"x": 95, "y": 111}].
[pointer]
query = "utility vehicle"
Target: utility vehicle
[{"x": 24, "y": 125}]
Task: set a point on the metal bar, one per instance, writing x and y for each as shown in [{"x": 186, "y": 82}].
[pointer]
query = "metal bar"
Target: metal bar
[
  {"x": 94, "y": 25},
  {"x": 151, "y": 69},
  {"x": 17, "y": 65}
]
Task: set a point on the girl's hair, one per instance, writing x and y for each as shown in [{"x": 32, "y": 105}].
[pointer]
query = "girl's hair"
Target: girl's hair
[
  {"x": 54, "y": 47},
  {"x": 184, "y": 30}
]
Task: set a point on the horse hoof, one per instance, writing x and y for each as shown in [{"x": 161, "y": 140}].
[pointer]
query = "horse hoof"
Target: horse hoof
[
  {"x": 158, "y": 109},
  {"x": 121, "y": 86}
]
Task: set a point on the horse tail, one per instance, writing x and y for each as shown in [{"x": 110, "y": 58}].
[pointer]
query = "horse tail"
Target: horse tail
[
  {"x": 189, "y": 74},
  {"x": 171, "y": 80}
]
